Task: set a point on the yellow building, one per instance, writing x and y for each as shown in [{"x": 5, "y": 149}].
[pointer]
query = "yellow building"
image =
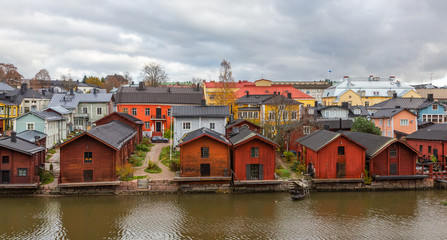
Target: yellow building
[{"x": 367, "y": 92}]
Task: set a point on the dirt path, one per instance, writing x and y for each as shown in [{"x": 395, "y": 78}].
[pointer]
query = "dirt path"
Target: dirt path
[{"x": 153, "y": 155}]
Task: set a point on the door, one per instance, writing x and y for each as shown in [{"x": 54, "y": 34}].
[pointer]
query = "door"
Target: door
[
  {"x": 158, "y": 126},
  {"x": 435, "y": 153},
  {"x": 88, "y": 175},
  {"x": 254, "y": 172},
  {"x": 158, "y": 113},
  {"x": 205, "y": 170},
  {"x": 5, "y": 176},
  {"x": 341, "y": 163}
]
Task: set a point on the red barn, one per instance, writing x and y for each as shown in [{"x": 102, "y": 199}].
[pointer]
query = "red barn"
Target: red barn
[
  {"x": 429, "y": 141},
  {"x": 239, "y": 123},
  {"x": 253, "y": 156},
  {"x": 386, "y": 156},
  {"x": 204, "y": 156},
  {"x": 93, "y": 156},
  {"x": 20, "y": 162},
  {"x": 125, "y": 118},
  {"x": 333, "y": 155}
]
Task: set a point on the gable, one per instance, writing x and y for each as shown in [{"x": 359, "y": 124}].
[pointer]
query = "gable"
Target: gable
[{"x": 411, "y": 94}]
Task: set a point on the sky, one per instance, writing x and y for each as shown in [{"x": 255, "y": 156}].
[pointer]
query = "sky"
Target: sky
[{"x": 276, "y": 40}]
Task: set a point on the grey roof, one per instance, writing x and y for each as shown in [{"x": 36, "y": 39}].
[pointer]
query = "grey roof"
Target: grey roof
[
  {"x": 253, "y": 99},
  {"x": 60, "y": 110},
  {"x": 409, "y": 103},
  {"x": 71, "y": 101},
  {"x": 16, "y": 96},
  {"x": 200, "y": 132},
  {"x": 386, "y": 113},
  {"x": 318, "y": 139},
  {"x": 130, "y": 117},
  {"x": 29, "y": 135},
  {"x": 335, "y": 124},
  {"x": 200, "y": 111},
  {"x": 48, "y": 116},
  {"x": 166, "y": 95},
  {"x": 280, "y": 99},
  {"x": 5, "y": 87},
  {"x": 373, "y": 143},
  {"x": 363, "y": 110},
  {"x": 244, "y": 134},
  {"x": 239, "y": 120},
  {"x": 437, "y": 126},
  {"x": 20, "y": 146},
  {"x": 429, "y": 134},
  {"x": 114, "y": 133},
  {"x": 429, "y": 103}
]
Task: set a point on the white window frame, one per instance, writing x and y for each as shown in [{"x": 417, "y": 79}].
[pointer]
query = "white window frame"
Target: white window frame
[
  {"x": 388, "y": 122},
  {"x": 434, "y": 107},
  {"x": 147, "y": 125},
  {"x": 147, "y": 112},
  {"x": 306, "y": 130},
  {"x": 85, "y": 110},
  {"x": 212, "y": 126},
  {"x": 272, "y": 115},
  {"x": 186, "y": 125},
  {"x": 99, "y": 111},
  {"x": 132, "y": 111},
  {"x": 294, "y": 115},
  {"x": 404, "y": 122},
  {"x": 256, "y": 115},
  {"x": 32, "y": 124},
  {"x": 380, "y": 122}
]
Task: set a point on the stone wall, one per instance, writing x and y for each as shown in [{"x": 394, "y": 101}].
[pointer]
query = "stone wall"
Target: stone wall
[
  {"x": 282, "y": 187},
  {"x": 375, "y": 185}
]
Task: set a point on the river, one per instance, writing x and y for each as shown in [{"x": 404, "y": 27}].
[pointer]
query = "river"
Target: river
[{"x": 342, "y": 215}]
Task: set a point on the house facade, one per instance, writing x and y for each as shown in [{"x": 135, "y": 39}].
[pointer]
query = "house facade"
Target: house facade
[
  {"x": 430, "y": 141},
  {"x": 394, "y": 122},
  {"x": 153, "y": 104},
  {"x": 190, "y": 118}
]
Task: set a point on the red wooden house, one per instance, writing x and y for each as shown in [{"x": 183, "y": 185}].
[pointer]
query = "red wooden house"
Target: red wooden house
[
  {"x": 152, "y": 105},
  {"x": 125, "y": 118},
  {"x": 238, "y": 123},
  {"x": 94, "y": 155},
  {"x": 387, "y": 157},
  {"x": 430, "y": 141},
  {"x": 332, "y": 155},
  {"x": 253, "y": 156},
  {"x": 204, "y": 156},
  {"x": 20, "y": 161}
]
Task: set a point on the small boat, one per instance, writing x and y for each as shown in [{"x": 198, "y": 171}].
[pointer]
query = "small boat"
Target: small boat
[{"x": 297, "y": 195}]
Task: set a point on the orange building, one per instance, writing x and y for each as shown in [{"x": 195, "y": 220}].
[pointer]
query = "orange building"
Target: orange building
[
  {"x": 395, "y": 122},
  {"x": 153, "y": 105}
]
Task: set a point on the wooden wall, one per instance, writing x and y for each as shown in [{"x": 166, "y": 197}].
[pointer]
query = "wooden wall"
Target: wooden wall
[
  {"x": 20, "y": 160},
  {"x": 190, "y": 157},
  {"x": 405, "y": 160},
  {"x": 242, "y": 157}
]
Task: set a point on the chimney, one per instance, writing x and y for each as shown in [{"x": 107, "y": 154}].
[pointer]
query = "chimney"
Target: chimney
[
  {"x": 94, "y": 90},
  {"x": 279, "y": 93},
  {"x": 289, "y": 95},
  {"x": 326, "y": 127},
  {"x": 140, "y": 86},
  {"x": 23, "y": 88},
  {"x": 36, "y": 140},
  {"x": 44, "y": 91},
  {"x": 430, "y": 97},
  {"x": 13, "y": 137},
  {"x": 341, "y": 123},
  {"x": 274, "y": 92},
  {"x": 169, "y": 89},
  {"x": 248, "y": 93},
  {"x": 394, "y": 95},
  {"x": 231, "y": 118},
  {"x": 198, "y": 87}
]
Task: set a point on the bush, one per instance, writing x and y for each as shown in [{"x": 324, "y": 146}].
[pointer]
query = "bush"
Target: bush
[
  {"x": 52, "y": 151},
  {"x": 125, "y": 172},
  {"x": 174, "y": 165},
  {"x": 288, "y": 156},
  {"x": 444, "y": 203},
  {"x": 298, "y": 167},
  {"x": 283, "y": 173},
  {"x": 146, "y": 141},
  {"x": 142, "y": 148},
  {"x": 167, "y": 134},
  {"x": 136, "y": 160},
  {"x": 45, "y": 177},
  {"x": 141, "y": 154},
  {"x": 51, "y": 167},
  {"x": 152, "y": 167},
  {"x": 366, "y": 178}
]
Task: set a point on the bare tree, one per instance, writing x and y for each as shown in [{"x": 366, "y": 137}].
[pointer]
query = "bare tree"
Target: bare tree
[
  {"x": 225, "y": 93},
  {"x": 67, "y": 82},
  {"x": 10, "y": 75},
  {"x": 197, "y": 80},
  {"x": 42, "y": 79},
  {"x": 128, "y": 77},
  {"x": 153, "y": 74}
]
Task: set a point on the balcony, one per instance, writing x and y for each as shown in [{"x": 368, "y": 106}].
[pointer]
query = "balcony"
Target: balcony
[{"x": 158, "y": 117}]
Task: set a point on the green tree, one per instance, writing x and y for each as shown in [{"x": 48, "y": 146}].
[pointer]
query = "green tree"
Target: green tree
[{"x": 362, "y": 124}]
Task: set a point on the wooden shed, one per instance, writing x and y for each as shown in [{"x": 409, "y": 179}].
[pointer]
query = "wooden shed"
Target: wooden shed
[
  {"x": 253, "y": 156},
  {"x": 332, "y": 155},
  {"x": 386, "y": 156},
  {"x": 239, "y": 123},
  {"x": 125, "y": 118},
  {"x": 20, "y": 161},
  {"x": 93, "y": 156},
  {"x": 204, "y": 156}
]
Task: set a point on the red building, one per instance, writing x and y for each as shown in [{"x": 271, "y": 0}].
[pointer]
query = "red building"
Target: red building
[
  {"x": 153, "y": 105},
  {"x": 386, "y": 156},
  {"x": 204, "y": 156},
  {"x": 239, "y": 123},
  {"x": 94, "y": 155},
  {"x": 332, "y": 155},
  {"x": 125, "y": 118},
  {"x": 20, "y": 162},
  {"x": 430, "y": 141},
  {"x": 253, "y": 155}
]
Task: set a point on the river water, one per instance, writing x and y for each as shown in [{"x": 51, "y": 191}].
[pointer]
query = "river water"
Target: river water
[{"x": 341, "y": 215}]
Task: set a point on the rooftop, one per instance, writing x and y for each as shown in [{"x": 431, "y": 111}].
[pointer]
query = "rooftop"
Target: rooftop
[
  {"x": 20, "y": 146},
  {"x": 200, "y": 111},
  {"x": 163, "y": 95},
  {"x": 203, "y": 132}
]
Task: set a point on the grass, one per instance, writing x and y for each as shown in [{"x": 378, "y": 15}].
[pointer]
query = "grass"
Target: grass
[
  {"x": 164, "y": 156},
  {"x": 46, "y": 177},
  {"x": 52, "y": 151},
  {"x": 283, "y": 173},
  {"x": 444, "y": 203},
  {"x": 152, "y": 168},
  {"x": 133, "y": 178}
]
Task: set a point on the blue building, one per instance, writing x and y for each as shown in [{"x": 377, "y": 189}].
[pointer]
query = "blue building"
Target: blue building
[{"x": 432, "y": 111}]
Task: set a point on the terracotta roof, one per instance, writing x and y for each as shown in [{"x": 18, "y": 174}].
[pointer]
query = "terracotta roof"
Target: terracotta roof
[{"x": 268, "y": 90}]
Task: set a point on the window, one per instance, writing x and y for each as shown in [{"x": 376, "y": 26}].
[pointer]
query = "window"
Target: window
[
  {"x": 282, "y": 107},
  {"x": 22, "y": 172},
  {"x": 381, "y": 122},
  {"x": 212, "y": 125},
  {"x": 147, "y": 111},
  {"x": 125, "y": 110},
  {"x": 205, "y": 152},
  {"x": 272, "y": 116},
  {"x": 88, "y": 157},
  {"x": 186, "y": 125},
  {"x": 306, "y": 130},
  {"x": 404, "y": 122},
  {"x": 26, "y": 109},
  {"x": 30, "y": 126},
  {"x": 420, "y": 148},
  {"x": 14, "y": 111},
  {"x": 147, "y": 125},
  {"x": 244, "y": 115},
  {"x": 84, "y": 110},
  {"x": 250, "y": 115},
  {"x": 341, "y": 150},
  {"x": 429, "y": 149},
  {"x": 98, "y": 111},
  {"x": 366, "y": 104},
  {"x": 294, "y": 115},
  {"x": 134, "y": 111},
  {"x": 212, "y": 97},
  {"x": 357, "y": 111},
  {"x": 389, "y": 134},
  {"x": 169, "y": 112},
  {"x": 2, "y": 111},
  {"x": 434, "y": 107},
  {"x": 5, "y": 159},
  {"x": 383, "y": 133},
  {"x": 88, "y": 175},
  {"x": 255, "y": 152},
  {"x": 388, "y": 122},
  {"x": 285, "y": 115},
  {"x": 393, "y": 152},
  {"x": 256, "y": 115}
]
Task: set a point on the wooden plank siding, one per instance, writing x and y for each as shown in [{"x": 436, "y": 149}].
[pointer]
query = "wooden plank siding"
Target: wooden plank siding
[
  {"x": 405, "y": 161},
  {"x": 20, "y": 160}
]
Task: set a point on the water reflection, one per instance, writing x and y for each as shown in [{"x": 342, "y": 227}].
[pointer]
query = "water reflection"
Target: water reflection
[{"x": 384, "y": 215}]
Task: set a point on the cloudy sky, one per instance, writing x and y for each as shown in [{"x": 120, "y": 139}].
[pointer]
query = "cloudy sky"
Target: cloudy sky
[{"x": 277, "y": 40}]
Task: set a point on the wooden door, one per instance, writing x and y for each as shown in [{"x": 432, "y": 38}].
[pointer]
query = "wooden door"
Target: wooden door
[
  {"x": 88, "y": 175},
  {"x": 205, "y": 170},
  {"x": 5, "y": 176},
  {"x": 254, "y": 172},
  {"x": 341, "y": 163},
  {"x": 158, "y": 126}
]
